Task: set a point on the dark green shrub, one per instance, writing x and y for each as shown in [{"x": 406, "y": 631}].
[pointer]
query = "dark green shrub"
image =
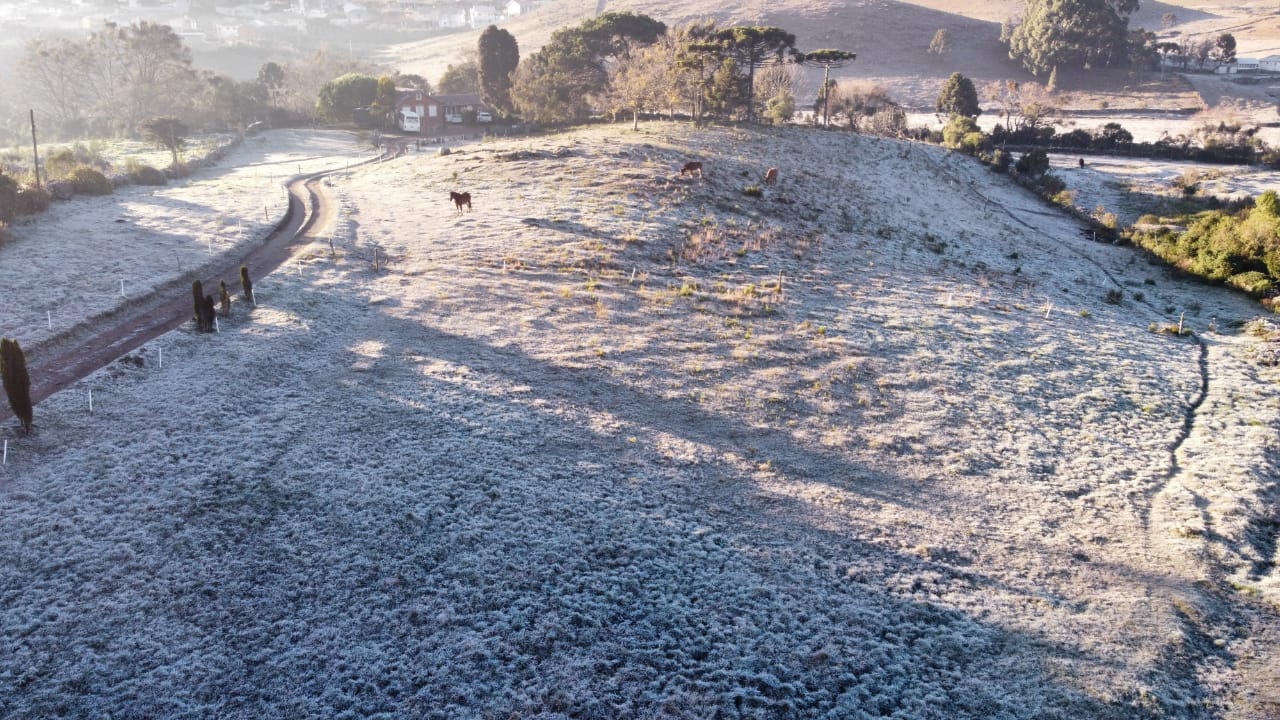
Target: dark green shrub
[
  {"x": 32, "y": 200},
  {"x": 1255, "y": 283},
  {"x": 17, "y": 384},
  {"x": 1033, "y": 164},
  {"x": 89, "y": 181},
  {"x": 1052, "y": 184},
  {"x": 246, "y": 285},
  {"x": 8, "y": 199},
  {"x": 197, "y": 301},
  {"x": 1113, "y": 296},
  {"x": 1001, "y": 160},
  {"x": 207, "y": 314}
]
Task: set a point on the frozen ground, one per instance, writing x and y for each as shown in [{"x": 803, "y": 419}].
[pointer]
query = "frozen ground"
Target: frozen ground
[
  {"x": 64, "y": 267},
  {"x": 1132, "y": 187},
  {"x": 621, "y": 444}
]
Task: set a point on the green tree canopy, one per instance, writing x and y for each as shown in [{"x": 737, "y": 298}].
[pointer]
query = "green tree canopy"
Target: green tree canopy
[
  {"x": 958, "y": 97},
  {"x": 461, "y": 78},
  {"x": 344, "y": 94},
  {"x": 555, "y": 83},
  {"x": 167, "y": 132},
  {"x": 1224, "y": 48},
  {"x": 1072, "y": 34},
  {"x": 499, "y": 57},
  {"x": 384, "y": 99}
]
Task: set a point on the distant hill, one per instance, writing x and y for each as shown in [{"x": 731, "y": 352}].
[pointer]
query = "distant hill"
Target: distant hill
[{"x": 892, "y": 38}]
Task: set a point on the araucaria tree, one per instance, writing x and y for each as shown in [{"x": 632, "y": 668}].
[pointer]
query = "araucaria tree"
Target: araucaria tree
[
  {"x": 499, "y": 55},
  {"x": 826, "y": 59},
  {"x": 1078, "y": 34},
  {"x": 753, "y": 46},
  {"x": 958, "y": 97},
  {"x": 17, "y": 384}
]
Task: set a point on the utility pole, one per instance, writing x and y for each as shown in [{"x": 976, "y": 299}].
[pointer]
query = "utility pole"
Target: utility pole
[{"x": 35, "y": 149}]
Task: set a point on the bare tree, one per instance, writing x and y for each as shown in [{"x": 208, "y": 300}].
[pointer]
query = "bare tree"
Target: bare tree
[
  {"x": 138, "y": 71},
  {"x": 636, "y": 81},
  {"x": 779, "y": 82},
  {"x": 1023, "y": 106},
  {"x": 858, "y": 101},
  {"x": 53, "y": 75}
]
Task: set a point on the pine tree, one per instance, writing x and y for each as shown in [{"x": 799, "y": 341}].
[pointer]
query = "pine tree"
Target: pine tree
[
  {"x": 245, "y": 284},
  {"x": 17, "y": 384}
]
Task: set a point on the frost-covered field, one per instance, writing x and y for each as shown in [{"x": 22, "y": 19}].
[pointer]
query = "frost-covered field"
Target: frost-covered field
[
  {"x": 65, "y": 266},
  {"x": 620, "y": 444},
  {"x": 1133, "y": 187}
]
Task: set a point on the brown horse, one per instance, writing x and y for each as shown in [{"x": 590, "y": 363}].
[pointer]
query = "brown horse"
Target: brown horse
[
  {"x": 771, "y": 176},
  {"x": 690, "y": 168},
  {"x": 460, "y": 199}
]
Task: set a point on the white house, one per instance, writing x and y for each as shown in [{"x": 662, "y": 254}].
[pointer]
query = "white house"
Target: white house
[
  {"x": 1248, "y": 64},
  {"x": 356, "y": 14},
  {"x": 513, "y": 8},
  {"x": 479, "y": 16},
  {"x": 1270, "y": 63},
  {"x": 453, "y": 18}
]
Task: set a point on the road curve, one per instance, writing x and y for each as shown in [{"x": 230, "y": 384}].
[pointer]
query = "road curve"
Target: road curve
[{"x": 57, "y": 364}]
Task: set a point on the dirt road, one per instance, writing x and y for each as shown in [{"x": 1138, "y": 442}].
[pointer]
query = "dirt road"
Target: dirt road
[{"x": 55, "y": 365}]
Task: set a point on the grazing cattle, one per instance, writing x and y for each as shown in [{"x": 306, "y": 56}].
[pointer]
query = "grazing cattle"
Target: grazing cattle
[
  {"x": 771, "y": 176},
  {"x": 460, "y": 199},
  {"x": 690, "y": 168}
]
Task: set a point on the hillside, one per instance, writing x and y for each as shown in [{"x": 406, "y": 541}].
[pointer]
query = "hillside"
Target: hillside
[
  {"x": 892, "y": 39},
  {"x": 618, "y": 443}
]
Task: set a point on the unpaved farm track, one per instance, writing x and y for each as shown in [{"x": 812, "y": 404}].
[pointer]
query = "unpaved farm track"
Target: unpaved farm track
[{"x": 57, "y": 364}]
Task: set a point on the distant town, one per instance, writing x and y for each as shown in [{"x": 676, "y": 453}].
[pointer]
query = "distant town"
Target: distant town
[{"x": 233, "y": 21}]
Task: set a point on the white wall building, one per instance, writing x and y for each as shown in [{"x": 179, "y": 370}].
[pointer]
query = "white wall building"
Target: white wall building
[{"x": 479, "y": 16}]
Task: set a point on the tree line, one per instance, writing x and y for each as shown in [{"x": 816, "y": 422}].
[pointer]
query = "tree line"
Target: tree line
[{"x": 110, "y": 82}]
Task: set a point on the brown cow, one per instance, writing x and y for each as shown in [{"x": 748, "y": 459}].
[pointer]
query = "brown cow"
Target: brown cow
[
  {"x": 690, "y": 168},
  {"x": 771, "y": 176},
  {"x": 460, "y": 199}
]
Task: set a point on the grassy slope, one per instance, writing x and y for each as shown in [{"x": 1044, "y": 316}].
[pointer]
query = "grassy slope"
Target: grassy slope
[{"x": 577, "y": 452}]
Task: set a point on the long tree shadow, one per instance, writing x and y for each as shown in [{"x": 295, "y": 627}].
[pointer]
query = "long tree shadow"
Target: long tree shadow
[{"x": 428, "y": 525}]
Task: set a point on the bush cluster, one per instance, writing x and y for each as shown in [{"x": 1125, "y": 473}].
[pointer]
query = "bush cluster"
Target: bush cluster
[
  {"x": 1240, "y": 248},
  {"x": 89, "y": 181},
  {"x": 33, "y": 200},
  {"x": 147, "y": 175}
]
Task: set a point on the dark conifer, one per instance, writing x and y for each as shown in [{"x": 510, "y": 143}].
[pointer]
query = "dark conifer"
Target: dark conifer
[
  {"x": 245, "y": 283},
  {"x": 17, "y": 384},
  {"x": 197, "y": 301},
  {"x": 224, "y": 298},
  {"x": 207, "y": 314}
]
